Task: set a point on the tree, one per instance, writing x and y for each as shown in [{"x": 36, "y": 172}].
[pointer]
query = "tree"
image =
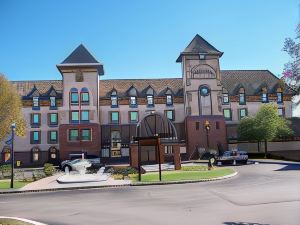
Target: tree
[
  {"x": 10, "y": 110},
  {"x": 265, "y": 126},
  {"x": 291, "y": 71}
]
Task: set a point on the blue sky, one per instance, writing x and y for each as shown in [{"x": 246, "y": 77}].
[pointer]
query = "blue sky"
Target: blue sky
[{"x": 141, "y": 38}]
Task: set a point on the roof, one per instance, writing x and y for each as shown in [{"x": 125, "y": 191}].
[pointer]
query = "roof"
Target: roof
[
  {"x": 251, "y": 80},
  {"x": 199, "y": 45},
  {"x": 160, "y": 86},
  {"x": 81, "y": 57},
  {"x": 232, "y": 80}
]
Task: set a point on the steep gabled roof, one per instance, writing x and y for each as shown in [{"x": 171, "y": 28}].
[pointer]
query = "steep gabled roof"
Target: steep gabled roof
[
  {"x": 81, "y": 57},
  {"x": 199, "y": 45}
]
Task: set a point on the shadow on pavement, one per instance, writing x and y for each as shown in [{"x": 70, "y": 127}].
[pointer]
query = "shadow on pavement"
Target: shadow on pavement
[
  {"x": 289, "y": 167},
  {"x": 243, "y": 223}
]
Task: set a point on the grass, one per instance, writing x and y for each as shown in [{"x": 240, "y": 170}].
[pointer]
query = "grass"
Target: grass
[
  {"x": 181, "y": 175},
  {"x": 5, "y": 221},
  {"x": 5, "y": 184}
]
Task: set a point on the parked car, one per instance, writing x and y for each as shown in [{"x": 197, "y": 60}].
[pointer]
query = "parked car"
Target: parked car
[
  {"x": 240, "y": 157},
  {"x": 75, "y": 164},
  {"x": 93, "y": 159}
]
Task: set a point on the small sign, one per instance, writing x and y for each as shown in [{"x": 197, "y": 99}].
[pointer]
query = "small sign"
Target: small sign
[{"x": 18, "y": 162}]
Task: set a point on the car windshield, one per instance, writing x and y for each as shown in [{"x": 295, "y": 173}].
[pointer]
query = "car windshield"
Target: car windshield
[{"x": 75, "y": 161}]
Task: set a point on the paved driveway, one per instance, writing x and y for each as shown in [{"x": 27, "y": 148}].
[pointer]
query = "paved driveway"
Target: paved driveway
[{"x": 267, "y": 193}]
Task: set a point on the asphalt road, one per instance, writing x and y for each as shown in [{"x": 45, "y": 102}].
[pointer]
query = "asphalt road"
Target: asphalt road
[{"x": 261, "y": 194}]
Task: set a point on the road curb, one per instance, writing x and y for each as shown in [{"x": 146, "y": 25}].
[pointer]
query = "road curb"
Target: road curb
[
  {"x": 23, "y": 220},
  {"x": 121, "y": 185}
]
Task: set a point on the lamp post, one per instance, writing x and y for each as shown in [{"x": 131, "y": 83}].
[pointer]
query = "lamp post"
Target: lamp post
[
  {"x": 13, "y": 128},
  {"x": 207, "y": 128}
]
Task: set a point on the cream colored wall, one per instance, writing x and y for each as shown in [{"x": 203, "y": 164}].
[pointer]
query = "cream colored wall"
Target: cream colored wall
[
  {"x": 296, "y": 106},
  {"x": 23, "y": 143},
  {"x": 193, "y": 88},
  {"x": 90, "y": 81},
  {"x": 142, "y": 109}
]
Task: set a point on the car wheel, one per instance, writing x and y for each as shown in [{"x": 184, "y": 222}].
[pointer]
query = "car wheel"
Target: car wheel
[{"x": 64, "y": 168}]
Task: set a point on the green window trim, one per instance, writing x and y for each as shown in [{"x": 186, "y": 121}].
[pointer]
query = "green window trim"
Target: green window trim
[{"x": 115, "y": 117}]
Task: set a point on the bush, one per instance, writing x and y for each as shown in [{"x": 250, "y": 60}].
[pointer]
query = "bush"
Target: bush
[
  {"x": 118, "y": 176},
  {"x": 5, "y": 171},
  {"x": 49, "y": 169},
  {"x": 37, "y": 175},
  {"x": 122, "y": 170}
]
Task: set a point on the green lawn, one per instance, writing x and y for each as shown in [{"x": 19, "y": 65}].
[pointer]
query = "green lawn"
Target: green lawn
[
  {"x": 181, "y": 175},
  {"x": 13, "y": 222},
  {"x": 17, "y": 184}
]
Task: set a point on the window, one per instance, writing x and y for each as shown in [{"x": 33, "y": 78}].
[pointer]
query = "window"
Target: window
[
  {"x": 75, "y": 117},
  {"x": 85, "y": 98},
  {"x": 227, "y": 114},
  {"x": 242, "y": 113},
  {"x": 73, "y": 134},
  {"x": 114, "y": 101},
  {"x": 114, "y": 117},
  {"x": 85, "y": 116},
  {"x": 35, "y": 103},
  {"x": 168, "y": 149},
  {"x": 35, "y": 154},
  {"x": 35, "y": 137},
  {"x": 170, "y": 114},
  {"x": 133, "y": 117},
  {"x": 35, "y": 120},
  {"x": 133, "y": 102},
  {"x": 74, "y": 96},
  {"x": 201, "y": 56},
  {"x": 264, "y": 95},
  {"x": 52, "y": 137},
  {"x": 86, "y": 134},
  {"x": 52, "y": 102},
  {"x": 281, "y": 112},
  {"x": 242, "y": 98},
  {"x": 279, "y": 97},
  {"x": 115, "y": 143},
  {"x": 150, "y": 101},
  {"x": 53, "y": 119},
  {"x": 169, "y": 100},
  {"x": 217, "y": 125},
  {"x": 225, "y": 99},
  {"x": 197, "y": 125}
]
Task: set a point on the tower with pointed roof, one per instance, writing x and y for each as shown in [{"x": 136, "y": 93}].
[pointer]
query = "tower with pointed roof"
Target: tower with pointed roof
[
  {"x": 80, "y": 112},
  {"x": 201, "y": 78}
]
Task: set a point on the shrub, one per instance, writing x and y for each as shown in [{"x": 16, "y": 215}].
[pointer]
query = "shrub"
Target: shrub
[
  {"x": 37, "y": 175},
  {"x": 5, "y": 170},
  {"x": 49, "y": 169},
  {"x": 118, "y": 176}
]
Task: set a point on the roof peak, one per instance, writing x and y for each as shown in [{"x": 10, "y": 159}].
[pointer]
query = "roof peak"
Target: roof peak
[
  {"x": 199, "y": 45},
  {"x": 80, "y": 55}
]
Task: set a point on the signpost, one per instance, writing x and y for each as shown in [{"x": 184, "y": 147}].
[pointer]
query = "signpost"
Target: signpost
[{"x": 13, "y": 128}]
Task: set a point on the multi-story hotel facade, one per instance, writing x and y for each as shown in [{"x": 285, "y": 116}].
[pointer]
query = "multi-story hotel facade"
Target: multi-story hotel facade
[{"x": 84, "y": 113}]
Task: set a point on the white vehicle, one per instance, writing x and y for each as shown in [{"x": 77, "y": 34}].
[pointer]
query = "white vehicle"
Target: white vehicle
[
  {"x": 230, "y": 156},
  {"x": 76, "y": 164}
]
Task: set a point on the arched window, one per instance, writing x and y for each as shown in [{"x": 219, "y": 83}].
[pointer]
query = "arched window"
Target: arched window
[
  {"x": 205, "y": 107},
  {"x": 74, "y": 96},
  {"x": 85, "y": 98},
  {"x": 225, "y": 97},
  {"x": 114, "y": 99},
  {"x": 169, "y": 97},
  {"x": 279, "y": 95},
  {"x": 264, "y": 95},
  {"x": 242, "y": 97}
]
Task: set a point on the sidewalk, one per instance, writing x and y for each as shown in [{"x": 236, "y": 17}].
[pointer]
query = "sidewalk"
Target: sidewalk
[{"x": 51, "y": 183}]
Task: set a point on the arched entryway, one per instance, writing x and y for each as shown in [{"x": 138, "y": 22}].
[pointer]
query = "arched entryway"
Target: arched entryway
[
  {"x": 53, "y": 155},
  {"x": 153, "y": 133}
]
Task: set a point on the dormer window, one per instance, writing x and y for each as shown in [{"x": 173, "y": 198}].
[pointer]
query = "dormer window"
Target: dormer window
[
  {"x": 279, "y": 95},
  {"x": 85, "y": 98},
  {"x": 202, "y": 56},
  {"x": 225, "y": 98},
  {"x": 35, "y": 103},
  {"x": 169, "y": 100},
  {"x": 242, "y": 98},
  {"x": 114, "y": 99},
  {"x": 264, "y": 95},
  {"x": 52, "y": 102},
  {"x": 74, "y": 96},
  {"x": 133, "y": 102},
  {"x": 150, "y": 100}
]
